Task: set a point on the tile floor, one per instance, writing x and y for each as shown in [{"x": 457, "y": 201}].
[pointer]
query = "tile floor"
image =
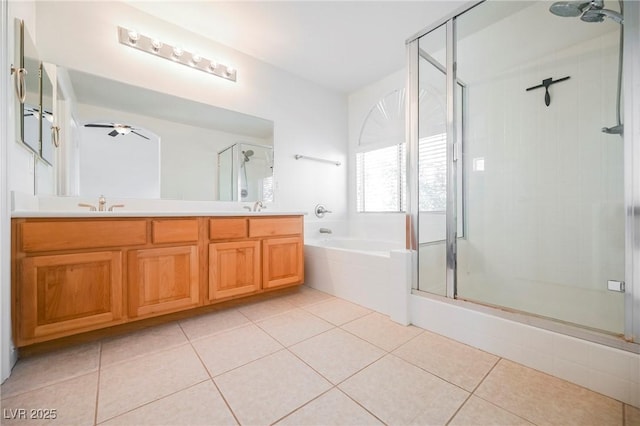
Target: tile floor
[{"x": 304, "y": 358}]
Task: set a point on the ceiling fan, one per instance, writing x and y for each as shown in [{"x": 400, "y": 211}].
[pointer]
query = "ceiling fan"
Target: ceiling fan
[{"x": 118, "y": 129}]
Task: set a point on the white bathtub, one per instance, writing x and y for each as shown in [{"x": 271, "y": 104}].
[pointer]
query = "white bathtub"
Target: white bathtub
[{"x": 373, "y": 274}]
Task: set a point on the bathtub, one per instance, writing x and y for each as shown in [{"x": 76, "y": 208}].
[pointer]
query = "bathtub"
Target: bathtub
[{"x": 373, "y": 274}]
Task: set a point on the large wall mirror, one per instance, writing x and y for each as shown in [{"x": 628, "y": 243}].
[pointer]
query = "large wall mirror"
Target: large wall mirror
[{"x": 134, "y": 142}]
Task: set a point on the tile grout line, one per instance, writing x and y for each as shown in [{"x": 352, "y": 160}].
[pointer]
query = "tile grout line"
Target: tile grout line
[
  {"x": 211, "y": 378},
  {"x": 95, "y": 411},
  {"x": 492, "y": 403}
]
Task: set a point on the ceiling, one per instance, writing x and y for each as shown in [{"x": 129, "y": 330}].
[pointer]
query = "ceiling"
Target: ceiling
[{"x": 340, "y": 45}]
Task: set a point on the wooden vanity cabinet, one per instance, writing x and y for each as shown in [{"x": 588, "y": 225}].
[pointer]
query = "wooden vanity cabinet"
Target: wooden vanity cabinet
[
  {"x": 165, "y": 279},
  {"x": 75, "y": 275},
  {"x": 248, "y": 255},
  {"x": 68, "y": 275},
  {"x": 282, "y": 250}
]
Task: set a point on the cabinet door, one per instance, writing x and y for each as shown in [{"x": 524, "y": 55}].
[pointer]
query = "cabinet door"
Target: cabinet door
[
  {"x": 162, "y": 280},
  {"x": 234, "y": 268},
  {"x": 62, "y": 294},
  {"x": 282, "y": 262}
]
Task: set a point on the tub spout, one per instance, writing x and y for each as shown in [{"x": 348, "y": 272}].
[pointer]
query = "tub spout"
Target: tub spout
[{"x": 325, "y": 231}]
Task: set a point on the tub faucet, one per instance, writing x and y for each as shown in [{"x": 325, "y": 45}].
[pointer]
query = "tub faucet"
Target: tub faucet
[{"x": 325, "y": 231}]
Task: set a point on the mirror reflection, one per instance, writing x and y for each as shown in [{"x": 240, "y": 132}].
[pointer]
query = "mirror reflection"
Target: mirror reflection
[
  {"x": 135, "y": 142},
  {"x": 30, "y": 117}
]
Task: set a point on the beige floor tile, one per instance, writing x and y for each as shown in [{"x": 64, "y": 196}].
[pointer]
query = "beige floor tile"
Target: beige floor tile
[
  {"x": 337, "y": 354},
  {"x": 337, "y": 311},
  {"x": 201, "y": 404},
  {"x": 399, "y": 393},
  {"x": 213, "y": 323},
  {"x": 544, "y": 399},
  {"x": 305, "y": 296},
  {"x": 130, "y": 384},
  {"x": 381, "y": 331},
  {"x": 268, "y": 389},
  {"x": 71, "y": 402},
  {"x": 140, "y": 343},
  {"x": 477, "y": 411},
  {"x": 294, "y": 326},
  {"x": 631, "y": 416},
  {"x": 42, "y": 370},
  {"x": 454, "y": 362},
  {"x": 231, "y": 349},
  {"x": 333, "y": 408},
  {"x": 267, "y": 308}
]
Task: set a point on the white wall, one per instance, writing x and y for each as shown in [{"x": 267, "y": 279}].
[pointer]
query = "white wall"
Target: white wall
[{"x": 308, "y": 119}]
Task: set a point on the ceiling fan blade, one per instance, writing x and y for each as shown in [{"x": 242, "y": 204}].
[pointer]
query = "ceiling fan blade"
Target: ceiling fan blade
[
  {"x": 114, "y": 133},
  {"x": 110, "y": 126},
  {"x": 142, "y": 136}
]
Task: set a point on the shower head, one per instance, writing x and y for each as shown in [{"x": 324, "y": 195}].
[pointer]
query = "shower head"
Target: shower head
[
  {"x": 598, "y": 15},
  {"x": 568, "y": 9},
  {"x": 248, "y": 153}
]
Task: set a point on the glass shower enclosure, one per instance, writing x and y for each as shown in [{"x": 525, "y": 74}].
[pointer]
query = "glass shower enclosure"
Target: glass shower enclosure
[
  {"x": 516, "y": 162},
  {"x": 245, "y": 173}
]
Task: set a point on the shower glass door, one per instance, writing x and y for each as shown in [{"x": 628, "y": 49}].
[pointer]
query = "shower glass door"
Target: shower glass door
[
  {"x": 544, "y": 186},
  {"x": 432, "y": 163}
]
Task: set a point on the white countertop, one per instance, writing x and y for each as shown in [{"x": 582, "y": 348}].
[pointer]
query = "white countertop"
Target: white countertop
[{"x": 140, "y": 213}]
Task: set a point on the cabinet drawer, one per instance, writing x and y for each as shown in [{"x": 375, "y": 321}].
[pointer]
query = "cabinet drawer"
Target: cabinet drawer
[
  {"x": 275, "y": 226},
  {"x": 174, "y": 231},
  {"x": 224, "y": 228},
  {"x": 65, "y": 235}
]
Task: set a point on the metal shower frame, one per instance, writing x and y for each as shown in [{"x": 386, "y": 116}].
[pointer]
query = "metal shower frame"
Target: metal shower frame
[{"x": 631, "y": 340}]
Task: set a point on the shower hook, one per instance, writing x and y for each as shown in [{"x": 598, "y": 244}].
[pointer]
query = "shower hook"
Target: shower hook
[{"x": 546, "y": 83}]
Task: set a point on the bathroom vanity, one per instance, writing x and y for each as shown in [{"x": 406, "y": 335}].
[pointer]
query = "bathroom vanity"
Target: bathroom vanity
[{"x": 82, "y": 272}]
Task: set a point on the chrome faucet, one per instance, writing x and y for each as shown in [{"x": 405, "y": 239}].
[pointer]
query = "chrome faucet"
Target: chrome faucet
[
  {"x": 321, "y": 211},
  {"x": 102, "y": 205},
  {"x": 257, "y": 206}
]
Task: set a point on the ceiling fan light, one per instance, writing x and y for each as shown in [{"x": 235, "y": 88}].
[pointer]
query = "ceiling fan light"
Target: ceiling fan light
[{"x": 123, "y": 130}]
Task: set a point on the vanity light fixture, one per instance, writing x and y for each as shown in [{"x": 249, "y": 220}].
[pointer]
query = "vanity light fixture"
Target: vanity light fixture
[{"x": 133, "y": 38}]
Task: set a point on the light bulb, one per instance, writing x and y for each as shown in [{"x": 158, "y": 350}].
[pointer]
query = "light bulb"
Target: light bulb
[
  {"x": 122, "y": 129},
  {"x": 195, "y": 58},
  {"x": 134, "y": 36},
  {"x": 212, "y": 66},
  {"x": 177, "y": 52},
  {"x": 156, "y": 45},
  {"x": 230, "y": 70}
]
